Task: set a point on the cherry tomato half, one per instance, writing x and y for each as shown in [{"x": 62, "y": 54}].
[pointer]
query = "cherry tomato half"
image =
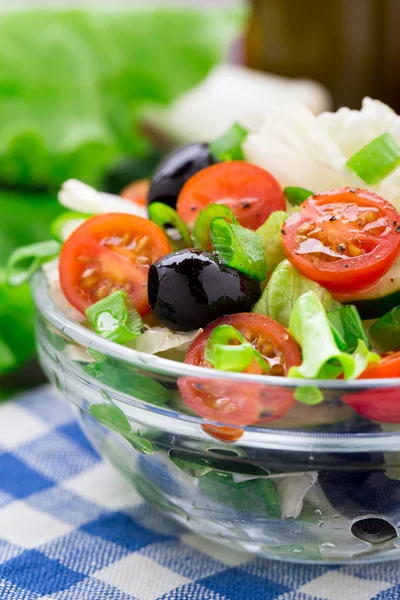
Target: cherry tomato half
[
  {"x": 238, "y": 403},
  {"x": 343, "y": 239},
  {"x": 388, "y": 367},
  {"x": 381, "y": 404},
  {"x": 107, "y": 253},
  {"x": 251, "y": 192},
  {"x": 137, "y": 191}
]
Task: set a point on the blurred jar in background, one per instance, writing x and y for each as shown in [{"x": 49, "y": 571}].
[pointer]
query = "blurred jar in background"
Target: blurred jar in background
[{"x": 351, "y": 46}]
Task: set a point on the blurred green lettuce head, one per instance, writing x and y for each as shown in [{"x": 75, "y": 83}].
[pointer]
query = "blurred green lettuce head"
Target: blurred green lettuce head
[{"x": 73, "y": 81}]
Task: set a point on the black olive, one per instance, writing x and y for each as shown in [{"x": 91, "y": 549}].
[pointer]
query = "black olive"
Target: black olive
[
  {"x": 175, "y": 169},
  {"x": 191, "y": 288},
  {"x": 129, "y": 169}
]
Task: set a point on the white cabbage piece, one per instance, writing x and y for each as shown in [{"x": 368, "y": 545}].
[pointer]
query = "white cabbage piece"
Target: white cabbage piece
[
  {"x": 161, "y": 339},
  {"x": 292, "y": 489},
  {"x": 231, "y": 93},
  {"x": 51, "y": 272},
  {"x": 80, "y": 197},
  {"x": 302, "y": 150}
]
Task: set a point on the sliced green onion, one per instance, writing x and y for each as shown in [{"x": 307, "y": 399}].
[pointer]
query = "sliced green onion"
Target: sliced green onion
[
  {"x": 228, "y": 350},
  {"x": 376, "y": 160},
  {"x": 229, "y": 145},
  {"x": 308, "y": 394},
  {"x": 347, "y": 328},
  {"x": 24, "y": 261},
  {"x": 65, "y": 224},
  {"x": 386, "y": 331},
  {"x": 115, "y": 319},
  {"x": 168, "y": 219},
  {"x": 239, "y": 248},
  {"x": 296, "y": 195},
  {"x": 201, "y": 230}
]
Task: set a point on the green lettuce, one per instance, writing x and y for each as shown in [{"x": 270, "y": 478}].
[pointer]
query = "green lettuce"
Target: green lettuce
[
  {"x": 270, "y": 234},
  {"x": 322, "y": 358},
  {"x": 284, "y": 288},
  {"x": 17, "y": 341},
  {"x": 73, "y": 82}
]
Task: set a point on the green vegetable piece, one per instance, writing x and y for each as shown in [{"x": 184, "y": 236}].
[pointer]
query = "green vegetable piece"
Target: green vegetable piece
[
  {"x": 201, "y": 229},
  {"x": 296, "y": 195},
  {"x": 309, "y": 394},
  {"x": 228, "y": 350},
  {"x": 229, "y": 145},
  {"x": 270, "y": 234},
  {"x": 347, "y": 328},
  {"x": 255, "y": 496},
  {"x": 17, "y": 340},
  {"x": 128, "y": 381},
  {"x": 322, "y": 359},
  {"x": 191, "y": 468},
  {"x": 239, "y": 248},
  {"x": 24, "y": 261},
  {"x": 51, "y": 130},
  {"x": 110, "y": 415},
  {"x": 111, "y": 318},
  {"x": 65, "y": 224},
  {"x": 284, "y": 288},
  {"x": 7, "y": 358},
  {"x": 140, "y": 443},
  {"x": 168, "y": 219},
  {"x": 376, "y": 160},
  {"x": 386, "y": 331}
]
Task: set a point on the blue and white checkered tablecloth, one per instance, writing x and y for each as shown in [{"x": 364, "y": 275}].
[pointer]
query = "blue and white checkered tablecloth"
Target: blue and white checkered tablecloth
[{"x": 72, "y": 529}]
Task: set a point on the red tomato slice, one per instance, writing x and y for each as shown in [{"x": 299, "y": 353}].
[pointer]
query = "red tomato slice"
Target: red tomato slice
[
  {"x": 137, "y": 191},
  {"x": 224, "y": 434},
  {"x": 388, "y": 367},
  {"x": 252, "y": 193},
  {"x": 238, "y": 403},
  {"x": 344, "y": 239},
  {"x": 107, "y": 253},
  {"x": 381, "y": 404}
]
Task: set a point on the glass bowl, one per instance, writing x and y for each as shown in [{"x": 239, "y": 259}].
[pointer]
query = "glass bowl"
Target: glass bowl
[{"x": 320, "y": 484}]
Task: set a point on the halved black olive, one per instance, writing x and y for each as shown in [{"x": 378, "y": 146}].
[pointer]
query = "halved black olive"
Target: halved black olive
[
  {"x": 175, "y": 169},
  {"x": 191, "y": 288}
]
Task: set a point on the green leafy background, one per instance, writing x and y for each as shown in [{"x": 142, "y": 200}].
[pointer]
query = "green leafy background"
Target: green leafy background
[{"x": 72, "y": 85}]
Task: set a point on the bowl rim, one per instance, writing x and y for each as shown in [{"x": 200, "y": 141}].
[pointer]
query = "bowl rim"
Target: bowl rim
[
  {"x": 274, "y": 438},
  {"x": 165, "y": 366}
]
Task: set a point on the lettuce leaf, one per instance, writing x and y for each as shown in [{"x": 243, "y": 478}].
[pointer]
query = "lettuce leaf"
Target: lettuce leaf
[
  {"x": 322, "y": 359},
  {"x": 17, "y": 341},
  {"x": 270, "y": 234},
  {"x": 72, "y": 82},
  {"x": 284, "y": 288}
]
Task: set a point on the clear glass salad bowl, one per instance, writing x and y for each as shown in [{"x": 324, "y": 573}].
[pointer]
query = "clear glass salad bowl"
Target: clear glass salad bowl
[{"x": 321, "y": 484}]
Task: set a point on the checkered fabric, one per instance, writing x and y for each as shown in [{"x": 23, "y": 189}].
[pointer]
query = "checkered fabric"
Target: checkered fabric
[{"x": 72, "y": 529}]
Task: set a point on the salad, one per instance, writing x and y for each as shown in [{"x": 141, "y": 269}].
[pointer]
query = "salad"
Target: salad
[{"x": 270, "y": 253}]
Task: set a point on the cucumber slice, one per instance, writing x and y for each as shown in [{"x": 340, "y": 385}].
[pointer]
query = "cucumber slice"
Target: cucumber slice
[{"x": 379, "y": 299}]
